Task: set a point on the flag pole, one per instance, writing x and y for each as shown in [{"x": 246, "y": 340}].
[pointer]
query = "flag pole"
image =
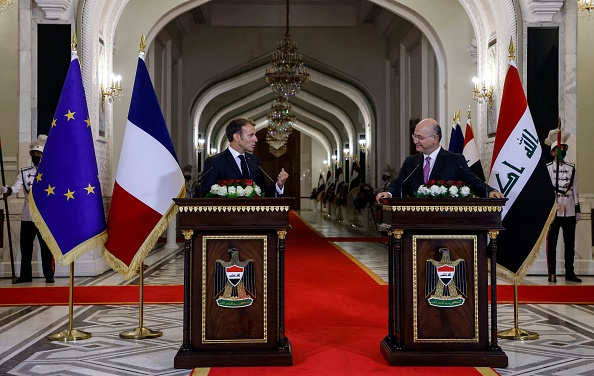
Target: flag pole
[
  {"x": 141, "y": 332},
  {"x": 7, "y": 217},
  {"x": 516, "y": 333},
  {"x": 70, "y": 334}
]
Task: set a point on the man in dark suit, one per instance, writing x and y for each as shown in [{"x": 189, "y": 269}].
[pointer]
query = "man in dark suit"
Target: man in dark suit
[
  {"x": 228, "y": 164},
  {"x": 433, "y": 163}
]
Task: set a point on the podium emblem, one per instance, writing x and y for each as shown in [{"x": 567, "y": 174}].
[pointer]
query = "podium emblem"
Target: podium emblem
[
  {"x": 445, "y": 281},
  {"x": 234, "y": 282}
]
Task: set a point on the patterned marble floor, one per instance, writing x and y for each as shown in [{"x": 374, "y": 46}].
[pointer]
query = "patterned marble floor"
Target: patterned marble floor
[{"x": 565, "y": 346}]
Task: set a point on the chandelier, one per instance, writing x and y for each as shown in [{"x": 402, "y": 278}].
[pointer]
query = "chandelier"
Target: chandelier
[
  {"x": 280, "y": 126},
  {"x": 287, "y": 74},
  {"x": 5, "y": 4}
]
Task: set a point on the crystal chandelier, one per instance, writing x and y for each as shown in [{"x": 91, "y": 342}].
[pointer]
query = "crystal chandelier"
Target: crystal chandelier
[
  {"x": 280, "y": 126},
  {"x": 5, "y": 4},
  {"x": 287, "y": 74},
  {"x": 585, "y": 5}
]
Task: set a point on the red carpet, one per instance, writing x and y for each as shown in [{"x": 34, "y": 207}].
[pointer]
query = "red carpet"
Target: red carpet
[{"x": 89, "y": 295}]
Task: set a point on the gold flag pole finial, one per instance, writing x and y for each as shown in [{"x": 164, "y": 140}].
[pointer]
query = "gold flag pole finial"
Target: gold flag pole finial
[
  {"x": 468, "y": 113},
  {"x": 458, "y": 118},
  {"x": 512, "y": 50},
  {"x": 142, "y": 43},
  {"x": 74, "y": 43},
  {"x": 454, "y": 117}
]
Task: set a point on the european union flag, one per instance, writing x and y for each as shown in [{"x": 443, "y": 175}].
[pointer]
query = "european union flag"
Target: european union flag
[{"x": 66, "y": 201}]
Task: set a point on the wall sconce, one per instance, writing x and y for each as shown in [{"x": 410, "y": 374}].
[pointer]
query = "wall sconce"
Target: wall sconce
[
  {"x": 113, "y": 91},
  {"x": 213, "y": 151},
  {"x": 325, "y": 163},
  {"x": 200, "y": 146},
  {"x": 483, "y": 94},
  {"x": 334, "y": 159},
  {"x": 346, "y": 151},
  {"x": 583, "y": 5},
  {"x": 362, "y": 143}
]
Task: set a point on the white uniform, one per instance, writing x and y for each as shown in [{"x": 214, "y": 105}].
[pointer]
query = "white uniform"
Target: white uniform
[
  {"x": 567, "y": 192},
  {"x": 24, "y": 180}
]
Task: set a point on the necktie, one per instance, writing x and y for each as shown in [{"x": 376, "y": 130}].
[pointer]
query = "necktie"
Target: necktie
[
  {"x": 245, "y": 171},
  {"x": 426, "y": 169}
]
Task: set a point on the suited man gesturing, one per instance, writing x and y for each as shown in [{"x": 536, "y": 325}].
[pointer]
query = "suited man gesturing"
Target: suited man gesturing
[
  {"x": 433, "y": 163},
  {"x": 228, "y": 164}
]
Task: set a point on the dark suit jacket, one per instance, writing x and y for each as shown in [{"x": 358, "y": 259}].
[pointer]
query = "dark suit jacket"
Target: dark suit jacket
[
  {"x": 222, "y": 166},
  {"x": 448, "y": 166}
]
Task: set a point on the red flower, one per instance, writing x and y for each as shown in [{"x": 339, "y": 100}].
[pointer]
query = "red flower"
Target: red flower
[
  {"x": 248, "y": 182},
  {"x": 222, "y": 183}
]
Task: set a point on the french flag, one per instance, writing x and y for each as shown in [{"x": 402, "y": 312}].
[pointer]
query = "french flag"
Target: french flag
[
  {"x": 518, "y": 171},
  {"x": 147, "y": 179},
  {"x": 471, "y": 152}
]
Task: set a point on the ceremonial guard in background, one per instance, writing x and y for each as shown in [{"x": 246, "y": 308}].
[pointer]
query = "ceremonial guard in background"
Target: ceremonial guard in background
[
  {"x": 24, "y": 181},
  {"x": 564, "y": 178}
]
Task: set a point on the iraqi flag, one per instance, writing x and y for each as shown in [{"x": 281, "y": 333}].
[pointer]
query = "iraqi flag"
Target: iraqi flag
[
  {"x": 147, "y": 180},
  {"x": 471, "y": 153},
  {"x": 518, "y": 170},
  {"x": 456, "y": 138}
]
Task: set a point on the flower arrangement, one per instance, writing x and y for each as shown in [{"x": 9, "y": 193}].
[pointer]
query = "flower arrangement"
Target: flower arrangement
[
  {"x": 442, "y": 188},
  {"x": 235, "y": 188}
]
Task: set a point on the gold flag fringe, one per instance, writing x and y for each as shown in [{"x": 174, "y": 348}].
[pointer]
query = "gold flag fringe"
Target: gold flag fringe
[
  {"x": 68, "y": 258},
  {"x": 129, "y": 271},
  {"x": 517, "y": 277}
]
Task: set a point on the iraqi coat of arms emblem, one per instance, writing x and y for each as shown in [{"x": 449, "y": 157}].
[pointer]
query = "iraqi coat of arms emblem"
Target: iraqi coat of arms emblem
[
  {"x": 445, "y": 281},
  {"x": 234, "y": 285}
]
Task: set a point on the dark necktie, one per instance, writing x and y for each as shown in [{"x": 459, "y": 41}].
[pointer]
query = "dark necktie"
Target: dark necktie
[
  {"x": 426, "y": 169},
  {"x": 245, "y": 171}
]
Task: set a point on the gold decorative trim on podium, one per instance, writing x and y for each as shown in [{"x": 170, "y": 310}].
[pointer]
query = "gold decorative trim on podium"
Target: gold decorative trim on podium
[
  {"x": 415, "y": 291},
  {"x": 228, "y": 208},
  {"x": 205, "y": 296},
  {"x": 444, "y": 208}
]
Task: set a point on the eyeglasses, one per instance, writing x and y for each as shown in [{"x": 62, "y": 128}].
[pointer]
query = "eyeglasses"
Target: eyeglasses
[{"x": 421, "y": 138}]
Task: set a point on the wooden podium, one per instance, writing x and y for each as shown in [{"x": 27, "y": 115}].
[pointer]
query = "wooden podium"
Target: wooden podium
[
  {"x": 234, "y": 312},
  {"x": 438, "y": 282}
]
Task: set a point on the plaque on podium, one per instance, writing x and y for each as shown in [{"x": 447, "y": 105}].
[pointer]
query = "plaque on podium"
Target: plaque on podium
[{"x": 234, "y": 282}]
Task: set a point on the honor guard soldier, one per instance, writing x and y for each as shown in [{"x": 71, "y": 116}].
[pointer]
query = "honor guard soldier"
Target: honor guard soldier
[
  {"x": 29, "y": 231},
  {"x": 564, "y": 178}
]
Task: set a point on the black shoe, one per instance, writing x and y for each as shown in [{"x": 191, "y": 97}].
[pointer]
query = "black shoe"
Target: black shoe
[
  {"x": 552, "y": 278},
  {"x": 573, "y": 278},
  {"x": 49, "y": 280},
  {"x": 23, "y": 280}
]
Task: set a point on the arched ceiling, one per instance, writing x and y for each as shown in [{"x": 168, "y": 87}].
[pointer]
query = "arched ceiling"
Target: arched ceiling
[{"x": 333, "y": 104}]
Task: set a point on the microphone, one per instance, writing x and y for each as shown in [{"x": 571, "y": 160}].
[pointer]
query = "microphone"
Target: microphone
[
  {"x": 474, "y": 177},
  {"x": 406, "y": 178},
  {"x": 260, "y": 167},
  {"x": 197, "y": 192},
  {"x": 206, "y": 172}
]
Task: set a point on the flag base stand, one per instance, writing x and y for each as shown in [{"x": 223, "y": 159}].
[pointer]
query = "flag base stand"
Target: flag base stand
[
  {"x": 69, "y": 335},
  {"x": 141, "y": 333},
  {"x": 516, "y": 333}
]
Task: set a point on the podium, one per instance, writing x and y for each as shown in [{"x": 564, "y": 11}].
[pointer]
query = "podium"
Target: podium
[
  {"x": 234, "y": 312},
  {"x": 439, "y": 282}
]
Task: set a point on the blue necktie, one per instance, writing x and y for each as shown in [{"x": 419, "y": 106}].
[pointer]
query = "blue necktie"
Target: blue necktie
[{"x": 245, "y": 171}]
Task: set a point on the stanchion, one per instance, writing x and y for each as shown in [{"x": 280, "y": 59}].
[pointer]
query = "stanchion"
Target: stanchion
[
  {"x": 516, "y": 333},
  {"x": 141, "y": 332},
  {"x": 70, "y": 334}
]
